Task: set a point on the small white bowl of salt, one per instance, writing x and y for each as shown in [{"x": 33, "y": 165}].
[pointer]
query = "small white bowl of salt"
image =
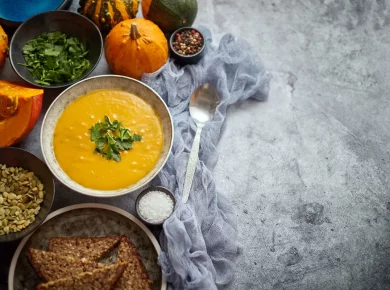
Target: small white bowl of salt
[{"x": 154, "y": 205}]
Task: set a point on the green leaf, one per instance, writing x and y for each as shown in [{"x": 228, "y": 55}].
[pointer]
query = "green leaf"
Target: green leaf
[
  {"x": 111, "y": 138},
  {"x": 137, "y": 137},
  {"x": 109, "y": 153},
  {"x": 100, "y": 143},
  {"x": 55, "y": 58},
  {"x": 95, "y": 132},
  {"x": 124, "y": 134},
  {"x": 43, "y": 83},
  {"x": 124, "y": 145},
  {"x": 107, "y": 119},
  {"x": 116, "y": 157}
]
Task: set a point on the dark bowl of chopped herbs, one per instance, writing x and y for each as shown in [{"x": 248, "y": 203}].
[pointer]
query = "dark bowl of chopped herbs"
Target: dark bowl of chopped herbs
[{"x": 55, "y": 49}]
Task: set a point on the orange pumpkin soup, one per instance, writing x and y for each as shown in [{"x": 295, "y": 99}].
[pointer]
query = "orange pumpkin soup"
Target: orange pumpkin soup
[{"x": 74, "y": 149}]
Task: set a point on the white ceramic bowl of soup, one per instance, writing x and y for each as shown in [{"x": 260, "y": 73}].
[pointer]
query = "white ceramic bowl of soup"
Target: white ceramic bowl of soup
[{"x": 68, "y": 150}]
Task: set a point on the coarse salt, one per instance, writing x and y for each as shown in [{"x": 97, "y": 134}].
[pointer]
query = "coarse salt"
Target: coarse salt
[{"x": 155, "y": 206}]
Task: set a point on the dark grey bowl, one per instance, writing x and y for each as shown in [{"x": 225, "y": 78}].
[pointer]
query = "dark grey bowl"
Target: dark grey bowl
[
  {"x": 12, "y": 156},
  {"x": 186, "y": 59},
  {"x": 145, "y": 191},
  {"x": 67, "y": 22}
]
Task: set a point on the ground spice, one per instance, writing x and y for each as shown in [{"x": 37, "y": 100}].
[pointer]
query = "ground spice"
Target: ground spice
[{"x": 188, "y": 42}]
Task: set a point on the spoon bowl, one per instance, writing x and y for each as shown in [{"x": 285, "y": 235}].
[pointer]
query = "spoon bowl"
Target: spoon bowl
[{"x": 203, "y": 104}]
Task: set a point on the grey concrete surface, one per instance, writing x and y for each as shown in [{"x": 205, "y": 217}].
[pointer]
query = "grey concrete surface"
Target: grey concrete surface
[{"x": 308, "y": 170}]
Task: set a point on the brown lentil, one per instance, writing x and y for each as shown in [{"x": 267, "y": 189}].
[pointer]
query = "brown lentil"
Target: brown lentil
[{"x": 188, "y": 42}]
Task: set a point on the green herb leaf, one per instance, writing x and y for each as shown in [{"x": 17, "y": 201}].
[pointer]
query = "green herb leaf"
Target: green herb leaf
[
  {"x": 111, "y": 138},
  {"x": 100, "y": 144},
  {"x": 55, "y": 58},
  {"x": 137, "y": 137},
  {"x": 95, "y": 132},
  {"x": 116, "y": 157},
  {"x": 109, "y": 153},
  {"x": 124, "y": 145}
]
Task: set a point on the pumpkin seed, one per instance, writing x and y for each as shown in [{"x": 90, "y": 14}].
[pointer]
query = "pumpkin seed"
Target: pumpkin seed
[{"x": 21, "y": 192}]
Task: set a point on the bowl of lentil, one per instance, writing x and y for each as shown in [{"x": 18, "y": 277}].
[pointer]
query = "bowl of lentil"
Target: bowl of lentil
[
  {"x": 26, "y": 193},
  {"x": 187, "y": 45}
]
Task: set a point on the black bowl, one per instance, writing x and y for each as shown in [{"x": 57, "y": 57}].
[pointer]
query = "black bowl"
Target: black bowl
[
  {"x": 16, "y": 157},
  {"x": 186, "y": 59},
  {"x": 12, "y": 25},
  {"x": 145, "y": 191},
  {"x": 67, "y": 22}
]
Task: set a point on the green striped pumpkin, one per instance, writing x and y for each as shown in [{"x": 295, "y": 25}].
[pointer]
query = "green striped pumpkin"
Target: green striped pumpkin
[
  {"x": 108, "y": 13},
  {"x": 170, "y": 15}
]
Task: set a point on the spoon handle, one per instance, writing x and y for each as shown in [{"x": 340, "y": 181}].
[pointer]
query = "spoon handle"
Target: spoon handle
[{"x": 191, "y": 166}]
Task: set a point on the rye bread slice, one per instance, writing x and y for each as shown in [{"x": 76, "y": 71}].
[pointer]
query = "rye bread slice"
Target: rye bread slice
[
  {"x": 135, "y": 276},
  {"x": 89, "y": 248},
  {"x": 52, "y": 266},
  {"x": 99, "y": 279}
]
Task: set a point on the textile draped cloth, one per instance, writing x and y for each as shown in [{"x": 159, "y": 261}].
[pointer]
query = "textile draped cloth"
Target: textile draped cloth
[{"x": 199, "y": 240}]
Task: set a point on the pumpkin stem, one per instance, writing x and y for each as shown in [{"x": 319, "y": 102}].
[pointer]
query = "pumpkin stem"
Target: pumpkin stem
[{"x": 134, "y": 33}]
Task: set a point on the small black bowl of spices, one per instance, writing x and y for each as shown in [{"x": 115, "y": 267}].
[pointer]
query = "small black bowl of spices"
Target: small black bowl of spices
[{"x": 187, "y": 45}]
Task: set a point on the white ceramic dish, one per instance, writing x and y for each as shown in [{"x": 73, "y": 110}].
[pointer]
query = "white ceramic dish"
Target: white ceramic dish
[
  {"x": 89, "y": 219},
  {"x": 88, "y": 85}
]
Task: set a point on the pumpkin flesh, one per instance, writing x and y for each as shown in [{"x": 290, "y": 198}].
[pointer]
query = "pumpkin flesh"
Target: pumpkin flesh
[
  {"x": 20, "y": 108},
  {"x": 3, "y": 46},
  {"x": 135, "y": 47}
]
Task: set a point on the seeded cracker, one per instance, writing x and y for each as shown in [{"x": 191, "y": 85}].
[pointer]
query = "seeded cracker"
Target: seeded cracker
[
  {"x": 100, "y": 279},
  {"x": 89, "y": 248},
  {"x": 51, "y": 266},
  {"x": 135, "y": 276}
]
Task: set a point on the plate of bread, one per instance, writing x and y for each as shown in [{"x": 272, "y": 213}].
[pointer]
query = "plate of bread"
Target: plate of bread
[{"x": 88, "y": 246}]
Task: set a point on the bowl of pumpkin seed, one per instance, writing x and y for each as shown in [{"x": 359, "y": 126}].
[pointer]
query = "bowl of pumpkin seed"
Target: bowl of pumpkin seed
[{"x": 26, "y": 193}]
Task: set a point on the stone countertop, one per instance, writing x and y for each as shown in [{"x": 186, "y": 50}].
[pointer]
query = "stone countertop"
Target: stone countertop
[{"x": 308, "y": 170}]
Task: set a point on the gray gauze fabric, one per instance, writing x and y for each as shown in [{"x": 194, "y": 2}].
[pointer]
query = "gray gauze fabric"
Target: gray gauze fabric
[{"x": 199, "y": 241}]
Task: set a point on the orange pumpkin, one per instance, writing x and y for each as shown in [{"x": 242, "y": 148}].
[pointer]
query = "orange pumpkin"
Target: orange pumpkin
[
  {"x": 134, "y": 47},
  {"x": 3, "y": 46},
  {"x": 20, "y": 108}
]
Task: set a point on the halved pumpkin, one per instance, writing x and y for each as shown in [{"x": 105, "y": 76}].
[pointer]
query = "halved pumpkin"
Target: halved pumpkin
[
  {"x": 3, "y": 46},
  {"x": 20, "y": 108}
]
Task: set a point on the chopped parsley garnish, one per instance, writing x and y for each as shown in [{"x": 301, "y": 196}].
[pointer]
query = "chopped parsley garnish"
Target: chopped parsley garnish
[
  {"x": 55, "y": 58},
  {"x": 111, "y": 138}
]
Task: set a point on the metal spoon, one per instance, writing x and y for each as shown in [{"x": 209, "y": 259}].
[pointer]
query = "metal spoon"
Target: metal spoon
[{"x": 203, "y": 103}]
